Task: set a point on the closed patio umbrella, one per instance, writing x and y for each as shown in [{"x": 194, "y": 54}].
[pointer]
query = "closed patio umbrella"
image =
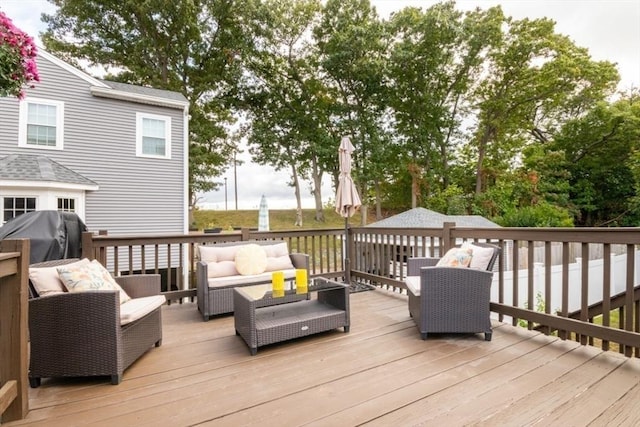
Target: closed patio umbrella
[
  {"x": 263, "y": 215},
  {"x": 347, "y": 198}
]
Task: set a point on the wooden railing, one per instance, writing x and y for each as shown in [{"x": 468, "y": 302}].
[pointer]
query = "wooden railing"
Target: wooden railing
[
  {"x": 14, "y": 264},
  {"x": 525, "y": 292},
  {"x": 174, "y": 257},
  {"x": 379, "y": 255}
]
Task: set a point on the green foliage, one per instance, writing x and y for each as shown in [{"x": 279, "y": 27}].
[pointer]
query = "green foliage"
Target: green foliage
[
  {"x": 472, "y": 112},
  {"x": 541, "y": 215},
  {"x": 601, "y": 149},
  {"x": 450, "y": 201},
  {"x": 191, "y": 47}
]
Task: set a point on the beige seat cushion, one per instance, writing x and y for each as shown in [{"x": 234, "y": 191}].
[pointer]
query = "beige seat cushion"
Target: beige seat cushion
[
  {"x": 46, "y": 280},
  {"x": 218, "y": 282},
  {"x": 137, "y": 308},
  {"x": 413, "y": 284}
]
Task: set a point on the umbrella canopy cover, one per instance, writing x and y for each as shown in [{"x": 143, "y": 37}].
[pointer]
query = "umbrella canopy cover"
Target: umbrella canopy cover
[
  {"x": 347, "y": 198},
  {"x": 263, "y": 215}
]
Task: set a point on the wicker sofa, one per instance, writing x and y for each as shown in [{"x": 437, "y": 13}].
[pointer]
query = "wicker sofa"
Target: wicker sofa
[
  {"x": 445, "y": 299},
  {"x": 89, "y": 333},
  {"x": 215, "y": 288}
]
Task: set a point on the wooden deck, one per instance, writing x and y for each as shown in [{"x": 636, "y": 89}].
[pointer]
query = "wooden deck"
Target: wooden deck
[{"x": 380, "y": 373}]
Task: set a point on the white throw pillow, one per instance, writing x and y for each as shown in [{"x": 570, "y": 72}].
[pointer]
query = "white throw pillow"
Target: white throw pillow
[
  {"x": 481, "y": 256},
  {"x": 90, "y": 277},
  {"x": 46, "y": 281},
  {"x": 279, "y": 263},
  {"x": 217, "y": 253},
  {"x": 276, "y": 250},
  {"x": 250, "y": 259},
  {"x": 221, "y": 269}
]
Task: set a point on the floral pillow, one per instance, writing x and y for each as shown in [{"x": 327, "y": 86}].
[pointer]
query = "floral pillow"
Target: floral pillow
[
  {"x": 91, "y": 277},
  {"x": 456, "y": 257}
]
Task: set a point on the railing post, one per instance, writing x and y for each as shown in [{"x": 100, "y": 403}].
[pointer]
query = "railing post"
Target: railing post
[
  {"x": 447, "y": 239},
  {"x": 87, "y": 245},
  {"x": 14, "y": 303}
]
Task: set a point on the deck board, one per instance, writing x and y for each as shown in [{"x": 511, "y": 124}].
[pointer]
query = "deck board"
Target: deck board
[{"x": 380, "y": 373}]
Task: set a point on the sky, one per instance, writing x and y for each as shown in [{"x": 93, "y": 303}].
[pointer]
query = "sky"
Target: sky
[{"x": 610, "y": 29}]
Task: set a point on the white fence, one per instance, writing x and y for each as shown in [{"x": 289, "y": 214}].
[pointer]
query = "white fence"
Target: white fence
[{"x": 595, "y": 278}]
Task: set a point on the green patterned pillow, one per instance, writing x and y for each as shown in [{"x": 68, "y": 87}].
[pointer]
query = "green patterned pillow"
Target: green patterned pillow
[{"x": 92, "y": 277}]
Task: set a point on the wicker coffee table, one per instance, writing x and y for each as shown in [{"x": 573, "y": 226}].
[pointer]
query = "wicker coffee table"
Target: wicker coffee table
[{"x": 261, "y": 319}]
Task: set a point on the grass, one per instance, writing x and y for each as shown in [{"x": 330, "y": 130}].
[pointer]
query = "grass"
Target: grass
[{"x": 279, "y": 219}]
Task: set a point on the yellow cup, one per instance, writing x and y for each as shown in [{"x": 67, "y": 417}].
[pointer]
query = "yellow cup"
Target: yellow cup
[
  {"x": 277, "y": 284},
  {"x": 301, "y": 281}
]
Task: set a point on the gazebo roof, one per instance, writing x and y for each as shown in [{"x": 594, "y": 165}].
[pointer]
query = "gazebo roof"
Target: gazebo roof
[{"x": 425, "y": 218}]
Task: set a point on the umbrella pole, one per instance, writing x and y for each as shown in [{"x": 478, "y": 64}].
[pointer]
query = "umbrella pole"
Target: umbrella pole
[{"x": 347, "y": 261}]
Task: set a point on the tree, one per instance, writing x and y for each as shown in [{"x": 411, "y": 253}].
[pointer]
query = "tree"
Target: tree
[
  {"x": 534, "y": 79},
  {"x": 351, "y": 46},
  {"x": 285, "y": 99},
  {"x": 601, "y": 150},
  {"x": 191, "y": 46},
  {"x": 434, "y": 58}
]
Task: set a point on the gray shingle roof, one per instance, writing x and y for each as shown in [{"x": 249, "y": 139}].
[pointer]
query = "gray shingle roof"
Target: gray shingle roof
[
  {"x": 149, "y": 91},
  {"x": 25, "y": 167},
  {"x": 425, "y": 218}
]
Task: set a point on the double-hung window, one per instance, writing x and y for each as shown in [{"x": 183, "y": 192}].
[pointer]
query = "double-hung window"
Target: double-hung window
[
  {"x": 153, "y": 136},
  {"x": 41, "y": 124}
]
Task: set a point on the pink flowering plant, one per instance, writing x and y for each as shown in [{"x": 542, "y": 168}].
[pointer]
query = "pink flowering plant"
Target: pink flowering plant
[{"x": 17, "y": 59}]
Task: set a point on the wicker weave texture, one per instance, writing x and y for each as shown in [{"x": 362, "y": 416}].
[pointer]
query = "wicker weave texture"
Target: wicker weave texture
[
  {"x": 79, "y": 334},
  {"x": 271, "y": 320},
  {"x": 219, "y": 300},
  {"x": 451, "y": 300}
]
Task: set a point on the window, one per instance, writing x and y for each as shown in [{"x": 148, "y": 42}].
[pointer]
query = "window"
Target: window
[
  {"x": 153, "y": 136},
  {"x": 41, "y": 123},
  {"x": 66, "y": 205},
  {"x": 15, "y": 206}
]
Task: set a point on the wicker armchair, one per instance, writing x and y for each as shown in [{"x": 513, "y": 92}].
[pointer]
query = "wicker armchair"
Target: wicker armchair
[
  {"x": 450, "y": 299},
  {"x": 80, "y": 334}
]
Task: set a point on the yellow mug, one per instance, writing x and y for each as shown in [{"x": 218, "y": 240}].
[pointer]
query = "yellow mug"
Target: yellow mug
[
  {"x": 277, "y": 284},
  {"x": 301, "y": 281}
]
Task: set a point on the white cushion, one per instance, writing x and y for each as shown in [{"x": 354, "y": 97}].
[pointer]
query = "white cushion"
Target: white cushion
[
  {"x": 137, "y": 308},
  {"x": 481, "y": 257},
  {"x": 413, "y": 284},
  {"x": 218, "y": 253},
  {"x": 46, "y": 280},
  {"x": 279, "y": 263},
  {"x": 250, "y": 259},
  {"x": 456, "y": 257},
  {"x": 276, "y": 250},
  {"x": 89, "y": 277},
  {"x": 265, "y": 277},
  {"x": 221, "y": 269}
]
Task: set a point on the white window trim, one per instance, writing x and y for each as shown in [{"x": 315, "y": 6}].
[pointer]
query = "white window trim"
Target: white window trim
[
  {"x": 167, "y": 120},
  {"x": 22, "y": 127}
]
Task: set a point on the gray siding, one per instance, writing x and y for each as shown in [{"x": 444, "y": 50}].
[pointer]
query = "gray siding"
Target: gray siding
[{"x": 136, "y": 195}]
